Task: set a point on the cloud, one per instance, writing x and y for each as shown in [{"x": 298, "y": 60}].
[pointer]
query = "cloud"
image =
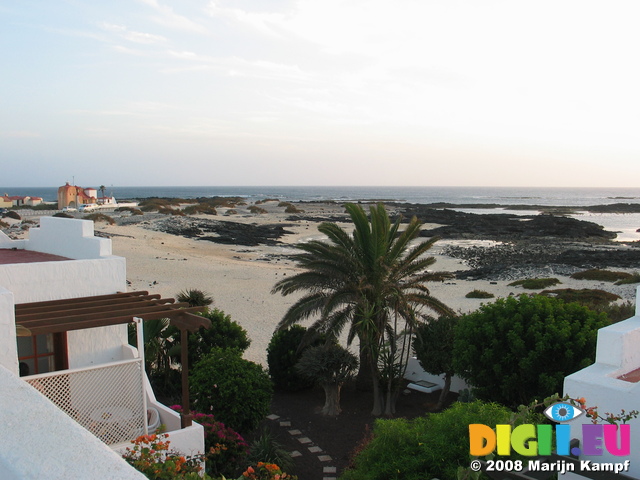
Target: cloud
[
  {"x": 168, "y": 18},
  {"x": 132, "y": 36}
]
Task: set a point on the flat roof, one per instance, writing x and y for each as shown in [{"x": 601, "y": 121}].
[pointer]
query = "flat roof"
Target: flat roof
[{"x": 9, "y": 256}]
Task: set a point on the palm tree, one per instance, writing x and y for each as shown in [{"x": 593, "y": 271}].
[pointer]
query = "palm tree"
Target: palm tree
[
  {"x": 102, "y": 189},
  {"x": 371, "y": 281}
]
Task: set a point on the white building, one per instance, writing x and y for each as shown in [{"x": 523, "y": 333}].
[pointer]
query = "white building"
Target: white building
[
  {"x": 612, "y": 384},
  {"x": 84, "y": 393}
]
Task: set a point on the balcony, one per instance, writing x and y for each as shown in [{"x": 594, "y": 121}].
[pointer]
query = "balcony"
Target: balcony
[{"x": 108, "y": 400}]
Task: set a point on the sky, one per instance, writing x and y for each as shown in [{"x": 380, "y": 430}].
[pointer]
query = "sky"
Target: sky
[{"x": 320, "y": 92}]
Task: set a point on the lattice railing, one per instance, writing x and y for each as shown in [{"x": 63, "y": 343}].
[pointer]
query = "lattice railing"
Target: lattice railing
[{"x": 107, "y": 400}]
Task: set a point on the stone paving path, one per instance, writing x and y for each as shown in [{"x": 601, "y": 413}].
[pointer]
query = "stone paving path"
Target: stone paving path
[{"x": 307, "y": 445}]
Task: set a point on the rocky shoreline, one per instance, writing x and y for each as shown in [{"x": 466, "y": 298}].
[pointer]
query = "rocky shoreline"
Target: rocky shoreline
[{"x": 528, "y": 245}]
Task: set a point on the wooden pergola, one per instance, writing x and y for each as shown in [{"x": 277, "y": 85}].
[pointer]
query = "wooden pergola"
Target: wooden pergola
[{"x": 57, "y": 316}]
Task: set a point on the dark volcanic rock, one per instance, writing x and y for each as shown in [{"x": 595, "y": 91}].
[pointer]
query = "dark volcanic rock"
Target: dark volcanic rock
[
  {"x": 223, "y": 232},
  {"x": 502, "y": 226}
]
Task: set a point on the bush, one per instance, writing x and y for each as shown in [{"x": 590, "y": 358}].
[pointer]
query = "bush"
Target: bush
[
  {"x": 13, "y": 214},
  {"x": 479, "y": 294},
  {"x": 266, "y": 448},
  {"x": 633, "y": 278},
  {"x": 223, "y": 333},
  {"x": 585, "y": 296},
  {"x": 329, "y": 365},
  {"x": 100, "y": 217},
  {"x": 433, "y": 347},
  {"x": 283, "y": 353},
  {"x": 238, "y": 392},
  {"x": 171, "y": 211},
  {"x": 225, "y": 449},
  {"x": 200, "y": 208},
  {"x": 425, "y": 447},
  {"x": 518, "y": 349},
  {"x": 617, "y": 312},
  {"x": 151, "y": 456},
  {"x": 535, "y": 283},
  {"x": 133, "y": 211},
  {"x": 601, "y": 275},
  {"x": 257, "y": 210}
]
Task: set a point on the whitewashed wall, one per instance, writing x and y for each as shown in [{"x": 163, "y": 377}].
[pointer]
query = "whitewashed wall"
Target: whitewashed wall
[
  {"x": 8, "y": 347},
  {"x": 618, "y": 352},
  {"x": 101, "y": 274},
  {"x": 39, "y": 441},
  {"x": 67, "y": 237}
]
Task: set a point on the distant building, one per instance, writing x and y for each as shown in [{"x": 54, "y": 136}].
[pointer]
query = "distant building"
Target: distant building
[
  {"x": 5, "y": 201},
  {"x": 73, "y": 196}
]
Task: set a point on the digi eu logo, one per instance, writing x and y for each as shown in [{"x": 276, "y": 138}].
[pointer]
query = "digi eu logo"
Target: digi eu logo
[{"x": 532, "y": 440}]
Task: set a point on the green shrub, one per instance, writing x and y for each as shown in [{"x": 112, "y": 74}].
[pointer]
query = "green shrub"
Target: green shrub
[
  {"x": 13, "y": 214},
  {"x": 171, "y": 211},
  {"x": 283, "y": 353},
  {"x": 433, "y": 347},
  {"x": 535, "y": 283},
  {"x": 633, "y": 278},
  {"x": 585, "y": 296},
  {"x": 133, "y": 211},
  {"x": 518, "y": 349},
  {"x": 267, "y": 449},
  {"x": 236, "y": 391},
  {"x": 100, "y": 217},
  {"x": 257, "y": 210},
  {"x": 290, "y": 207},
  {"x": 616, "y": 312},
  {"x": 425, "y": 447},
  {"x": 330, "y": 365},
  {"x": 200, "y": 208},
  {"x": 601, "y": 275},
  {"x": 223, "y": 333},
  {"x": 225, "y": 449},
  {"x": 479, "y": 294}
]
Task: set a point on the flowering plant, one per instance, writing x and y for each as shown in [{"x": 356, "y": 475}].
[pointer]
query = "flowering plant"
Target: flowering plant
[
  {"x": 266, "y": 471},
  {"x": 592, "y": 412},
  {"x": 225, "y": 449},
  {"x": 150, "y": 455}
]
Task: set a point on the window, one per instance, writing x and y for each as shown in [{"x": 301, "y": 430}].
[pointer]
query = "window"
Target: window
[{"x": 42, "y": 353}]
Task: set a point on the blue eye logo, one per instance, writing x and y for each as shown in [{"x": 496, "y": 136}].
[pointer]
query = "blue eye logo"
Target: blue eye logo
[{"x": 562, "y": 412}]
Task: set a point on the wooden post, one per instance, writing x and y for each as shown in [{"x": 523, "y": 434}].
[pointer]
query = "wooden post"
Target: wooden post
[{"x": 187, "y": 418}]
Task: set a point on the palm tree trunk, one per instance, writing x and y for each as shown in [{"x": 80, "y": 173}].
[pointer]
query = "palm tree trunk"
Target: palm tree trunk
[
  {"x": 378, "y": 402},
  {"x": 363, "y": 378}
]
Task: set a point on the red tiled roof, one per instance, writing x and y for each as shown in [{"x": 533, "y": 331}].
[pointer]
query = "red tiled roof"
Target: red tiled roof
[{"x": 9, "y": 256}]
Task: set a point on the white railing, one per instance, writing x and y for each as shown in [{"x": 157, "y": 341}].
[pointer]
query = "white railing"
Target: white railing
[{"x": 108, "y": 400}]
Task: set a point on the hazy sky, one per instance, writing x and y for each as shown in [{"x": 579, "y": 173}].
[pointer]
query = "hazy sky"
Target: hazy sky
[{"x": 320, "y": 92}]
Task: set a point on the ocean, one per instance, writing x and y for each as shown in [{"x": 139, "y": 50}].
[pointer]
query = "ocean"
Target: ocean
[
  {"x": 625, "y": 224},
  {"x": 574, "y": 197}
]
